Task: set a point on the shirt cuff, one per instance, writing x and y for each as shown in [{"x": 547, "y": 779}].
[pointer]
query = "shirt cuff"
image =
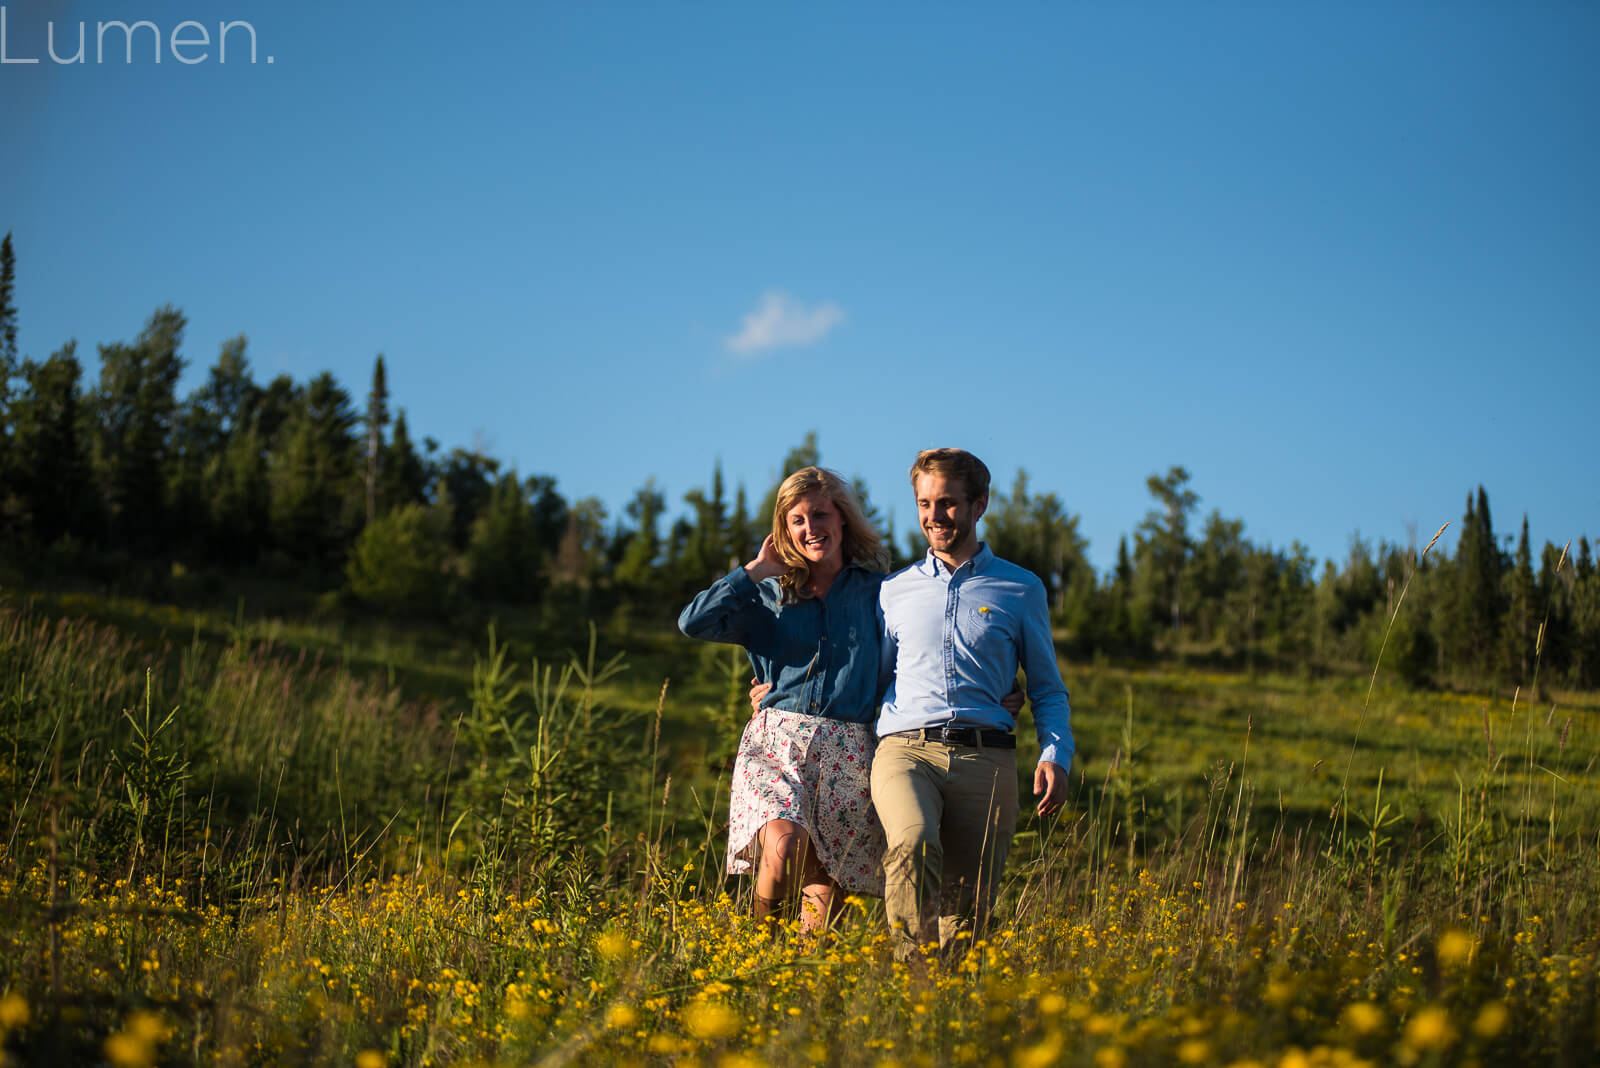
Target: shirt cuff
[{"x": 740, "y": 581}]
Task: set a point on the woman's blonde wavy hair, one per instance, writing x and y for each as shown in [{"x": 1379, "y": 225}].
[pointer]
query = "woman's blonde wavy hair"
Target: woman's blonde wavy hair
[{"x": 862, "y": 544}]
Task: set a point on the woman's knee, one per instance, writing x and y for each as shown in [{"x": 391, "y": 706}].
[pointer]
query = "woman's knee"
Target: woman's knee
[{"x": 783, "y": 843}]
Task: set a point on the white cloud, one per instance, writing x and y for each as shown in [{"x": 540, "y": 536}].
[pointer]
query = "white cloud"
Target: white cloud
[{"x": 779, "y": 321}]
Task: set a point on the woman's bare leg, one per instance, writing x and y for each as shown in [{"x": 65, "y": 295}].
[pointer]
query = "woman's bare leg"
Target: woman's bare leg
[{"x": 782, "y": 845}]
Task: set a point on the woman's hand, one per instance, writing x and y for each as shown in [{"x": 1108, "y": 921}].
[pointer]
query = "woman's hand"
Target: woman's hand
[
  {"x": 1012, "y": 702},
  {"x": 758, "y": 690},
  {"x": 767, "y": 562}
]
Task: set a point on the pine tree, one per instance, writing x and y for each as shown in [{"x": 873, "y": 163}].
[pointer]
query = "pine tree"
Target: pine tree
[
  {"x": 469, "y": 476},
  {"x": 240, "y": 498},
  {"x": 133, "y": 417},
  {"x": 1478, "y": 588},
  {"x": 1518, "y": 629},
  {"x": 8, "y": 356},
  {"x": 705, "y": 537},
  {"x": 402, "y": 474},
  {"x": 315, "y": 502},
  {"x": 1163, "y": 538},
  {"x": 8, "y": 313},
  {"x": 741, "y": 534},
  {"x": 636, "y": 569},
  {"x": 52, "y": 463},
  {"x": 502, "y": 556},
  {"x": 377, "y": 419}
]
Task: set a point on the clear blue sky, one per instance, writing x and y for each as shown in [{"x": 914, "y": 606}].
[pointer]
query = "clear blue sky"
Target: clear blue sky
[{"x": 1338, "y": 260}]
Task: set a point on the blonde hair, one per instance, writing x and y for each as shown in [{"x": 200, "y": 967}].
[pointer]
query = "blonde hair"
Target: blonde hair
[
  {"x": 953, "y": 463},
  {"x": 862, "y": 545}
]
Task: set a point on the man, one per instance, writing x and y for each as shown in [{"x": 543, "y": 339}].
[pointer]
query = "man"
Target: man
[{"x": 956, "y": 627}]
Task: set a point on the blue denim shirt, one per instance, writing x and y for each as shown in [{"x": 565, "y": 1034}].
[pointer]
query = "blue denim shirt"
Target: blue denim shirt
[
  {"x": 821, "y": 655},
  {"x": 954, "y": 641}
]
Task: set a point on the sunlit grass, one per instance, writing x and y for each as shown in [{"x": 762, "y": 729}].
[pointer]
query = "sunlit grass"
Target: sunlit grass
[{"x": 316, "y": 866}]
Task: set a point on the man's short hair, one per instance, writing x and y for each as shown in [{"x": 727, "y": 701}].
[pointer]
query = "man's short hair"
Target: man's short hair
[{"x": 953, "y": 463}]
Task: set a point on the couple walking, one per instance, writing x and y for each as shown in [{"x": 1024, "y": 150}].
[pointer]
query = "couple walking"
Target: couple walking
[{"x": 883, "y": 760}]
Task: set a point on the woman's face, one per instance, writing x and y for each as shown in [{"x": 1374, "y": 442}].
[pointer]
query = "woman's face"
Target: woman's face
[{"x": 816, "y": 528}]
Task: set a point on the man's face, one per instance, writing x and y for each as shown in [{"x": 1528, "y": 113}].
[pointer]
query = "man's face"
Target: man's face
[{"x": 946, "y": 514}]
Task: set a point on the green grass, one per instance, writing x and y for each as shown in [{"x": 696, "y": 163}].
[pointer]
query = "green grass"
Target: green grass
[{"x": 255, "y": 840}]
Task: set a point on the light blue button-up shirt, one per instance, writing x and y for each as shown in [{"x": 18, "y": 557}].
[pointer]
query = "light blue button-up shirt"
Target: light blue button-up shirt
[
  {"x": 954, "y": 640},
  {"x": 821, "y": 655}
]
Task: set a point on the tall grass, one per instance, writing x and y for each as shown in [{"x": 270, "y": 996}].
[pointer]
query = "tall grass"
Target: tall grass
[{"x": 240, "y": 852}]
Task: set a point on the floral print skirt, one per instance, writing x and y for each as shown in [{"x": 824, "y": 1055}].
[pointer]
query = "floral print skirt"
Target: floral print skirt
[{"x": 816, "y": 772}]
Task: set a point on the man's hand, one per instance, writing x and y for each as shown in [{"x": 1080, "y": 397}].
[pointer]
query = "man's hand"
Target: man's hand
[
  {"x": 758, "y": 690},
  {"x": 1050, "y": 786}
]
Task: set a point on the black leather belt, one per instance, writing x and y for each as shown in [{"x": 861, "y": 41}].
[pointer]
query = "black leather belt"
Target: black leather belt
[{"x": 980, "y": 736}]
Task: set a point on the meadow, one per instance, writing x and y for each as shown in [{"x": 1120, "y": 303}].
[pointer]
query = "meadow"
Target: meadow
[{"x": 245, "y": 840}]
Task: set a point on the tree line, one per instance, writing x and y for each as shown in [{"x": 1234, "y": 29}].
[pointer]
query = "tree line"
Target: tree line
[{"x": 299, "y": 479}]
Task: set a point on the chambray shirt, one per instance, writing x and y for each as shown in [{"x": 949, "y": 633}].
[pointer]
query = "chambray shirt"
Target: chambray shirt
[
  {"x": 821, "y": 655},
  {"x": 954, "y": 641}
]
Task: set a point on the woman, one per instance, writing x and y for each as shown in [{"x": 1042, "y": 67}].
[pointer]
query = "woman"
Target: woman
[{"x": 806, "y": 610}]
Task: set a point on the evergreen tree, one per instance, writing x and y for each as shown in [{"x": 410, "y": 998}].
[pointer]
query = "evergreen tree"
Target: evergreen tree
[
  {"x": 549, "y": 512},
  {"x": 133, "y": 418},
  {"x": 704, "y": 550},
  {"x": 580, "y": 558},
  {"x": 377, "y": 418},
  {"x": 1216, "y": 576},
  {"x": 51, "y": 462},
  {"x": 636, "y": 569},
  {"x": 1585, "y": 619},
  {"x": 1478, "y": 588},
  {"x": 8, "y": 368},
  {"x": 230, "y": 395},
  {"x": 398, "y": 561},
  {"x": 502, "y": 557},
  {"x": 742, "y": 542},
  {"x": 1163, "y": 539},
  {"x": 1517, "y": 631},
  {"x": 402, "y": 474},
  {"x": 470, "y": 477},
  {"x": 8, "y": 315},
  {"x": 314, "y": 504},
  {"x": 240, "y": 498},
  {"x": 1124, "y": 631}
]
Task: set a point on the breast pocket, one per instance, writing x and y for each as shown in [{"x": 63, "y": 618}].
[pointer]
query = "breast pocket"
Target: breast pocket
[{"x": 987, "y": 626}]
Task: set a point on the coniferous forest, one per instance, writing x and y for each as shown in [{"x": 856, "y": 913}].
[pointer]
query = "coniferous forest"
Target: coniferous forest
[{"x": 121, "y": 480}]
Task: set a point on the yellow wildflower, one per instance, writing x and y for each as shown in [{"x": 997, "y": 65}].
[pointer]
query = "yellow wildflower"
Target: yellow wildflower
[
  {"x": 13, "y": 1011},
  {"x": 1492, "y": 1019},
  {"x": 371, "y": 1058},
  {"x": 710, "y": 1020},
  {"x": 1361, "y": 1018},
  {"x": 612, "y": 945},
  {"x": 1430, "y": 1029},
  {"x": 1042, "y": 1055},
  {"x": 1110, "y": 1057},
  {"x": 1455, "y": 948}
]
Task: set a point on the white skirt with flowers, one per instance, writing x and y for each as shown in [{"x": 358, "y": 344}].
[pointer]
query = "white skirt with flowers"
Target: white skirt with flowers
[{"x": 812, "y": 771}]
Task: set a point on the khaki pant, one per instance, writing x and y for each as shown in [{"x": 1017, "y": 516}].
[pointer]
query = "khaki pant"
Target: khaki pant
[{"x": 948, "y": 812}]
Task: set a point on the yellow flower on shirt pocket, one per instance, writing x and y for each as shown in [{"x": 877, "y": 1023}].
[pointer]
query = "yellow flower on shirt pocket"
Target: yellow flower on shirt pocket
[{"x": 984, "y": 616}]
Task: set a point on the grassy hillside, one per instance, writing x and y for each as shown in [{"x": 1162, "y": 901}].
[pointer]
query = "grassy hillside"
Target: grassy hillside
[{"x": 234, "y": 839}]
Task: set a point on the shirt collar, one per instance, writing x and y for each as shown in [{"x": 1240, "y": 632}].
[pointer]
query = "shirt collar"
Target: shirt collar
[{"x": 932, "y": 565}]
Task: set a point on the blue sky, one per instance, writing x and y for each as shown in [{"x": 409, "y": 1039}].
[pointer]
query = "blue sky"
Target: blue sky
[{"x": 1338, "y": 260}]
